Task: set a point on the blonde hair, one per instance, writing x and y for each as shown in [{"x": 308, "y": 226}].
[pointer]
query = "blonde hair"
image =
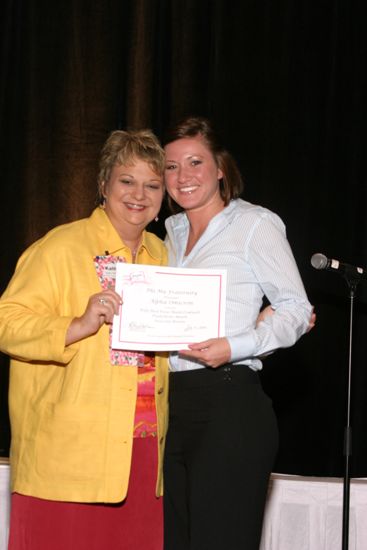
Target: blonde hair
[{"x": 124, "y": 147}]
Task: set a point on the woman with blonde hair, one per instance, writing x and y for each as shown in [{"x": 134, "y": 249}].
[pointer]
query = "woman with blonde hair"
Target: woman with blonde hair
[{"x": 88, "y": 422}]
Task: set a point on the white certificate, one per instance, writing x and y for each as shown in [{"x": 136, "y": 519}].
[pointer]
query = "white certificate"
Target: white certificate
[{"x": 167, "y": 308}]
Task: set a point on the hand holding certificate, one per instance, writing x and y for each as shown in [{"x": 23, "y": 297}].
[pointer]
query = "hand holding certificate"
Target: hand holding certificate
[{"x": 167, "y": 308}]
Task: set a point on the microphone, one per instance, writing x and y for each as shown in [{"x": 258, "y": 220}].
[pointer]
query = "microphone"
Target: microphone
[{"x": 319, "y": 261}]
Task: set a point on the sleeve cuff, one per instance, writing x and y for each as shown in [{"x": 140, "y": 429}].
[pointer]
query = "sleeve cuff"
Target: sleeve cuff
[
  {"x": 56, "y": 341},
  {"x": 243, "y": 346}
]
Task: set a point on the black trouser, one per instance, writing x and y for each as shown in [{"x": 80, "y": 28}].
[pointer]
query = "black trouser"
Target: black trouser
[{"x": 221, "y": 444}]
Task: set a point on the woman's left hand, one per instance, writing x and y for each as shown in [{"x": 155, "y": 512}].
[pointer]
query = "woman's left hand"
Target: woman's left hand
[
  {"x": 212, "y": 353},
  {"x": 264, "y": 313}
]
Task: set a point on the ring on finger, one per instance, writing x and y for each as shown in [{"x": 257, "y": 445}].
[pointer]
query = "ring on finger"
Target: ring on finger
[{"x": 103, "y": 301}]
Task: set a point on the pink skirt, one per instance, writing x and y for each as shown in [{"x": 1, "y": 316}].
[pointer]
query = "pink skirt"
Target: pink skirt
[{"x": 134, "y": 524}]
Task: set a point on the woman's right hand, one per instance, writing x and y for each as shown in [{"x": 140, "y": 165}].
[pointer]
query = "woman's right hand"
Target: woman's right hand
[{"x": 100, "y": 310}]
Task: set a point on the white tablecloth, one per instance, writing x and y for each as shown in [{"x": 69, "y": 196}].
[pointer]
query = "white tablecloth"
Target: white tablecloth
[
  {"x": 306, "y": 513},
  {"x": 4, "y": 503},
  {"x": 302, "y": 513}
]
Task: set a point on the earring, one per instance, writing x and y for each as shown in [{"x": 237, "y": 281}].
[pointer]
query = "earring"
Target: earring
[{"x": 156, "y": 219}]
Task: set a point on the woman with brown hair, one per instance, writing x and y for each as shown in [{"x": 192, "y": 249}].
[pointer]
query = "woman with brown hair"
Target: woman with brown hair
[{"x": 222, "y": 436}]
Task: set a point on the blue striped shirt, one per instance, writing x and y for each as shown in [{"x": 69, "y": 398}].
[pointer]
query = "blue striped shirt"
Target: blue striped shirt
[{"x": 250, "y": 242}]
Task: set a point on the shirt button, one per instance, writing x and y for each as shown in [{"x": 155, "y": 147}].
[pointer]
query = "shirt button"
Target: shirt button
[{"x": 161, "y": 390}]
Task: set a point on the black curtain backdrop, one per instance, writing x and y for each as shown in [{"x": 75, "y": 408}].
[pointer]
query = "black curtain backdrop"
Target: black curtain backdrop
[{"x": 286, "y": 84}]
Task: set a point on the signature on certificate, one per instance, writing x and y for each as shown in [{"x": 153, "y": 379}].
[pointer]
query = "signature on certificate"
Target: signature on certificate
[
  {"x": 139, "y": 327},
  {"x": 192, "y": 328}
]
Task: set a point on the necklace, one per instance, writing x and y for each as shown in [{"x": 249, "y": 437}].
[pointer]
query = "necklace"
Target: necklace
[{"x": 134, "y": 250}]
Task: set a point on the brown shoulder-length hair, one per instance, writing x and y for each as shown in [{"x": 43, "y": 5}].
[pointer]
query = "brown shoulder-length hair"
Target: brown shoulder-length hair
[{"x": 231, "y": 184}]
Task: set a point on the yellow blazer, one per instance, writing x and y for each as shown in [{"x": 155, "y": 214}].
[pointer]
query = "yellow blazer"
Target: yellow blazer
[{"x": 71, "y": 411}]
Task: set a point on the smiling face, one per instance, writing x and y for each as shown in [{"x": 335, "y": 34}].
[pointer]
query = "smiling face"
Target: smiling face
[
  {"x": 192, "y": 175},
  {"x": 133, "y": 196}
]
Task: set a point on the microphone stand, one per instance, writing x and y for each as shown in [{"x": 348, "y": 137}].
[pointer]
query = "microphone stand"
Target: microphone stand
[{"x": 352, "y": 284}]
